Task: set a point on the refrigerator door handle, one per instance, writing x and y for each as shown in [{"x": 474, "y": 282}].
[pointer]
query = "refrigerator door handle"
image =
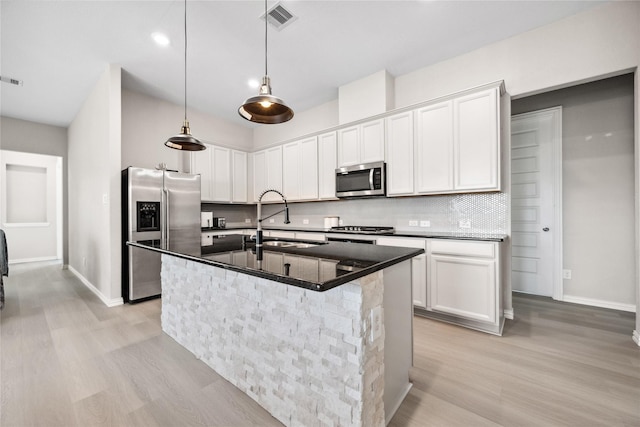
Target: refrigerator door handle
[{"x": 164, "y": 220}]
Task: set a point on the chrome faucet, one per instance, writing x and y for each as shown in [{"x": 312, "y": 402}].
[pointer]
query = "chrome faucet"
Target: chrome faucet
[{"x": 259, "y": 226}]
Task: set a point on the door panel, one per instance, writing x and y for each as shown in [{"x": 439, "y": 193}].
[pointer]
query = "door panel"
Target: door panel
[
  {"x": 532, "y": 202},
  {"x": 182, "y": 192}
]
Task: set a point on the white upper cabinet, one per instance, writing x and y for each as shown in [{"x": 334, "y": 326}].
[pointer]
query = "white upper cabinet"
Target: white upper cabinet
[
  {"x": 201, "y": 164},
  {"x": 399, "y": 154},
  {"x": 239, "y": 174},
  {"x": 458, "y": 144},
  {"x": 221, "y": 174},
  {"x": 327, "y": 164},
  {"x": 300, "y": 169},
  {"x": 216, "y": 168},
  {"x": 434, "y": 148},
  {"x": 476, "y": 136},
  {"x": 267, "y": 173},
  {"x": 363, "y": 143}
]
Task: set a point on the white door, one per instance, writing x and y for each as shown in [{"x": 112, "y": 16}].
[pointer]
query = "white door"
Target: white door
[
  {"x": 31, "y": 205},
  {"x": 536, "y": 167}
]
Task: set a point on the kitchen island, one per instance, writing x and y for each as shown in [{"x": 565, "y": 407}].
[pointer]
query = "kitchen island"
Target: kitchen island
[{"x": 300, "y": 329}]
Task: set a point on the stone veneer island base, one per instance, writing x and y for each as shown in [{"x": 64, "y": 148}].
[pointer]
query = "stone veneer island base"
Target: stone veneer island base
[{"x": 309, "y": 358}]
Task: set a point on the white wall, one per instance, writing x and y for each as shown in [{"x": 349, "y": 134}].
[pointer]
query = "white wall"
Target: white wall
[
  {"x": 316, "y": 119},
  {"x": 30, "y": 137},
  {"x": 598, "y": 188},
  {"x": 147, "y": 122},
  {"x": 601, "y": 41},
  {"x": 94, "y": 188},
  {"x": 367, "y": 97}
]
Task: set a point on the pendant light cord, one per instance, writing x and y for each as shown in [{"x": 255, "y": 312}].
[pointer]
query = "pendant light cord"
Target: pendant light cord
[
  {"x": 265, "y": 38},
  {"x": 185, "y": 60}
]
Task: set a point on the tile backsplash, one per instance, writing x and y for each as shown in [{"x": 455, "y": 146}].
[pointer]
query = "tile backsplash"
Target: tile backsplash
[{"x": 481, "y": 212}]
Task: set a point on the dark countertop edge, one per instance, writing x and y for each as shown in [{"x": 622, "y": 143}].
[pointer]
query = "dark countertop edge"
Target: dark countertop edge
[
  {"x": 403, "y": 233},
  {"x": 319, "y": 287}
]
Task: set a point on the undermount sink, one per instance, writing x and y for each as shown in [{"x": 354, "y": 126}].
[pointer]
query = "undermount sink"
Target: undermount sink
[
  {"x": 286, "y": 244},
  {"x": 278, "y": 243}
]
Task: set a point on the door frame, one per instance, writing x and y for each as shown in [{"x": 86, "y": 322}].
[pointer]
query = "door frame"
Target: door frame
[{"x": 556, "y": 171}]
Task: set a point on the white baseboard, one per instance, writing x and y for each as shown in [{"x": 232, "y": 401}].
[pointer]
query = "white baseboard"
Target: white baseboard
[
  {"x": 600, "y": 303},
  {"x": 109, "y": 303},
  {"x": 636, "y": 337},
  {"x": 24, "y": 260},
  {"x": 508, "y": 314}
]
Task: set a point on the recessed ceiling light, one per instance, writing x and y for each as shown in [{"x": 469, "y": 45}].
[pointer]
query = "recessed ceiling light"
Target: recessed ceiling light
[
  {"x": 160, "y": 39},
  {"x": 253, "y": 84}
]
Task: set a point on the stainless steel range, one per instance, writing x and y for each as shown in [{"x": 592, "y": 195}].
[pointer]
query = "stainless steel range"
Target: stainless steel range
[{"x": 361, "y": 229}]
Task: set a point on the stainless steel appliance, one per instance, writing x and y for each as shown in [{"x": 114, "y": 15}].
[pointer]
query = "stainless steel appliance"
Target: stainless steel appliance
[
  {"x": 156, "y": 205},
  {"x": 219, "y": 222},
  {"x": 363, "y": 180}
]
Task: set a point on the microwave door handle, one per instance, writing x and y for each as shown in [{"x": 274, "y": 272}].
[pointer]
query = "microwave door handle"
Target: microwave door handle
[{"x": 371, "y": 178}]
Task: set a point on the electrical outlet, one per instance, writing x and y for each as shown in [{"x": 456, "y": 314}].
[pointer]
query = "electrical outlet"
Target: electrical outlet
[
  {"x": 247, "y": 220},
  {"x": 84, "y": 261},
  {"x": 376, "y": 323},
  {"x": 271, "y": 220},
  {"x": 424, "y": 223},
  {"x": 105, "y": 199},
  {"x": 413, "y": 223},
  {"x": 566, "y": 274},
  {"x": 305, "y": 221},
  {"x": 464, "y": 223}
]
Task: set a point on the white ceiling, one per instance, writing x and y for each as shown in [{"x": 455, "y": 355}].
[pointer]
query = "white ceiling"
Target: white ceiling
[{"x": 60, "y": 48}]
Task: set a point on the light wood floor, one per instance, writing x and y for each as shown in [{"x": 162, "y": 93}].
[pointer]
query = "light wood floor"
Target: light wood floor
[{"x": 67, "y": 360}]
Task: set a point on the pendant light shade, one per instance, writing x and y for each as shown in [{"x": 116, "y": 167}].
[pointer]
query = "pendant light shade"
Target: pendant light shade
[
  {"x": 265, "y": 108},
  {"x": 184, "y": 140}
]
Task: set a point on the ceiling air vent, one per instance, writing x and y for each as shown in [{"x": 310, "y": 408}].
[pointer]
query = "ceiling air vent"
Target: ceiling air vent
[{"x": 279, "y": 17}]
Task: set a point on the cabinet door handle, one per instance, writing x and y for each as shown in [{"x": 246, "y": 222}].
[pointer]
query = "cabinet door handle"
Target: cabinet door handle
[{"x": 545, "y": 229}]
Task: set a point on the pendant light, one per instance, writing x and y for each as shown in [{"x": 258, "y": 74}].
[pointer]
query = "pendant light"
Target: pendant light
[
  {"x": 184, "y": 140},
  {"x": 265, "y": 108}
]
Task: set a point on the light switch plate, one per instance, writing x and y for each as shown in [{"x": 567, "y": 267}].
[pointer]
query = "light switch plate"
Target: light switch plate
[
  {"x": 413, "y": 223},
  {"x": 305, "y": 221},
  {"x": 464, "y": 223},
  {"x": 424, "y": 223}
]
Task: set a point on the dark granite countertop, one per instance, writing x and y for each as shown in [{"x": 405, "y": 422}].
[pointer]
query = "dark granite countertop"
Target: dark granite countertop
[
  {"x": 319, "y": 267},
  {"x": 488, "y": 237}
]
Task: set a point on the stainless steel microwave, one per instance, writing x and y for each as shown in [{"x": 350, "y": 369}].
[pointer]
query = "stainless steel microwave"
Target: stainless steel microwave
[{"x": 364, "y": 180}]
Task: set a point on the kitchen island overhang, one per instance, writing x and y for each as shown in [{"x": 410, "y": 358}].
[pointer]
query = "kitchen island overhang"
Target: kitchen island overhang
[
  {"x": 372, "y": 258},
  {"x": 308, "y": 357}
]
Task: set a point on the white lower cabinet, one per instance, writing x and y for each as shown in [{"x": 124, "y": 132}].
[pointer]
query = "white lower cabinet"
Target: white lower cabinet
[
  {"x": 301, "y": 266},
  {"x": 463, "y": 285},
  {"x": 418, "y": 266},
  {"x": 305, "y": 235}
]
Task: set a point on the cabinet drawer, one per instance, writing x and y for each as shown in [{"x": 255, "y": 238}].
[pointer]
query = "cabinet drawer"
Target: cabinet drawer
[
  {"x": 400, "y": 242},
  {"x": 457, "y": 247}
]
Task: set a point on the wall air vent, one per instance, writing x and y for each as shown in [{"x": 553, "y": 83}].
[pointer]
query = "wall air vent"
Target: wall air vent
[
  {"x": 279, "y": 17},
  {"x": 11, "y": 81}
]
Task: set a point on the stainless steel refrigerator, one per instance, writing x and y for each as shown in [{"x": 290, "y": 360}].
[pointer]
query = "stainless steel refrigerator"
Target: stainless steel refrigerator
[{"x": 159, "y": 206}]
